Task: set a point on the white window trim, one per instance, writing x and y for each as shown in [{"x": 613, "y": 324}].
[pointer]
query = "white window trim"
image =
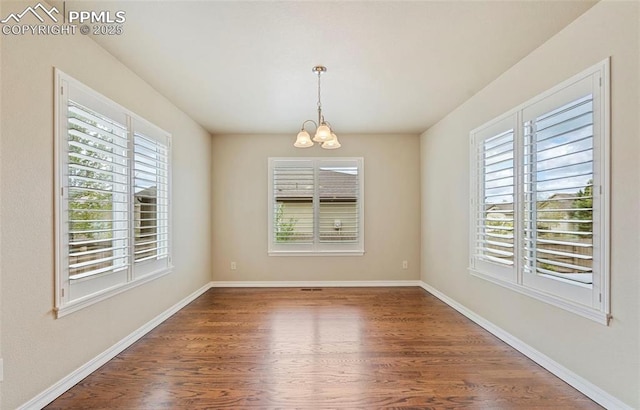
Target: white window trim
[
  {"x": 62, "y": 306},
  {"x": 357, "y": 250},
  {"x": 514, "y": 280}
]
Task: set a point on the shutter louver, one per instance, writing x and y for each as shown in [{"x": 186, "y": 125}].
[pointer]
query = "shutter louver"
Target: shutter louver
[
  {"x": 293, "y": 194},
  {"x": 559, "y": 192},
  {"x": 339, "y": 209},
  {"x": 494, "y": 239},
  {"x": 97, "y": 193},
  {"x": 151, "y": 198}
]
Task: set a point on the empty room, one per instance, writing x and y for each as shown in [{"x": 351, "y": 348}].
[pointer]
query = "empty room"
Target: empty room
[{"x": 319, "y": 204}]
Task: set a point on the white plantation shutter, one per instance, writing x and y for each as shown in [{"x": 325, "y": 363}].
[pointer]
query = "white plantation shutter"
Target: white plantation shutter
[
  {"x": 563, "y": 250},
  {"x": 151, "y": 196},
  {"x": 315, "y": 205},
  {"x": 558, "y": 194},
  {"x": 494, "y": 206},
  {"x": 293, "y": 197},
  {"x": 94, "y": 182},
  {"x": 107, "y": 242},
  {"x": 339, "y": 216},
  {"x": 495, "y": 241},
  {"x": 97, "y": 193}
]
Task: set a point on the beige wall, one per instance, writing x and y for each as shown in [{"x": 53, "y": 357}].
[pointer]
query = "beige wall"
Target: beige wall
[
  {"x": 392, "y": 210},
  {"x": 605, "y": 356},
  {"x": 39, "y": 350}
]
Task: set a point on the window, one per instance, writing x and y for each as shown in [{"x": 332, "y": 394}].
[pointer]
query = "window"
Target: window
[
  {"x": 315, "y": 206},
  {"x": 539, "y": 196},
  {"x": 113, "y": 197}
]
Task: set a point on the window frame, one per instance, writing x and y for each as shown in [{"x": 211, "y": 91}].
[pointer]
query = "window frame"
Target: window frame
[
  {"x": 105, "y": 285},
  {"x": 592, "y": 302},
  {"x": 317, "y": 248}
]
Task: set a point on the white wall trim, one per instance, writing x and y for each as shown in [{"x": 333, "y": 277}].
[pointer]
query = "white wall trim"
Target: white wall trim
[
  {"x": 314, "y": 284},
  {"x": 584, "y": 386},
  {"x": 64, "y": 384}
]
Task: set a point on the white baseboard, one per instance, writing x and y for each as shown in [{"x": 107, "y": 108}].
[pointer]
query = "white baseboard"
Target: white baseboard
[
  {"x": 83, "y": 371},
  {"x": 587, "y": 388},
  {"x": 314, "y": 284}
]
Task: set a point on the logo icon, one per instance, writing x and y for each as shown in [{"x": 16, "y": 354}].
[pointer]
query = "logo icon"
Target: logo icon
[{"x": 33, "y": 10}]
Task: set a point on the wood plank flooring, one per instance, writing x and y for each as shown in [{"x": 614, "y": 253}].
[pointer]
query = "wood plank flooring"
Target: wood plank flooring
[{"x": 333, "y": 348}]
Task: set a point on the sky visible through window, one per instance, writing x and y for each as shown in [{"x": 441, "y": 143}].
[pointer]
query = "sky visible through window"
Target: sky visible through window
[{"x": 563, "y": 154}]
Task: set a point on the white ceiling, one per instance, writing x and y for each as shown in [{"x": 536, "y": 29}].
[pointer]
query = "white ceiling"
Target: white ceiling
[{"x": 396, "y": 66}]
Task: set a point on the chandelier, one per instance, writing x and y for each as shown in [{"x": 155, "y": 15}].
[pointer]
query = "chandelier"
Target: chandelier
[{"x": 324, "y": 133}]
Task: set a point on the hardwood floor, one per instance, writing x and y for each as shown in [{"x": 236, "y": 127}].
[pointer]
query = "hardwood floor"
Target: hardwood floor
[{"x": 320, "y": 349}]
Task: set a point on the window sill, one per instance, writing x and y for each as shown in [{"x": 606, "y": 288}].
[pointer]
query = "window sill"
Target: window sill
[
  {"x": 597, "y": 316},
  {"x": 316, "y": 253},
  {"x": 98, "y": 297}
]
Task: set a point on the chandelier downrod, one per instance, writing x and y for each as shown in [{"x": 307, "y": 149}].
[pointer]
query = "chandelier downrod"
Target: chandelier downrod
[{"x": 319, "y": 69}]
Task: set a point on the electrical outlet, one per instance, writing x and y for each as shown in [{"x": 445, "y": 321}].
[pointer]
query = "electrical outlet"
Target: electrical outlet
[
  {"x": 405, "y": 265},
  {"x": 234, "y": 266}
]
